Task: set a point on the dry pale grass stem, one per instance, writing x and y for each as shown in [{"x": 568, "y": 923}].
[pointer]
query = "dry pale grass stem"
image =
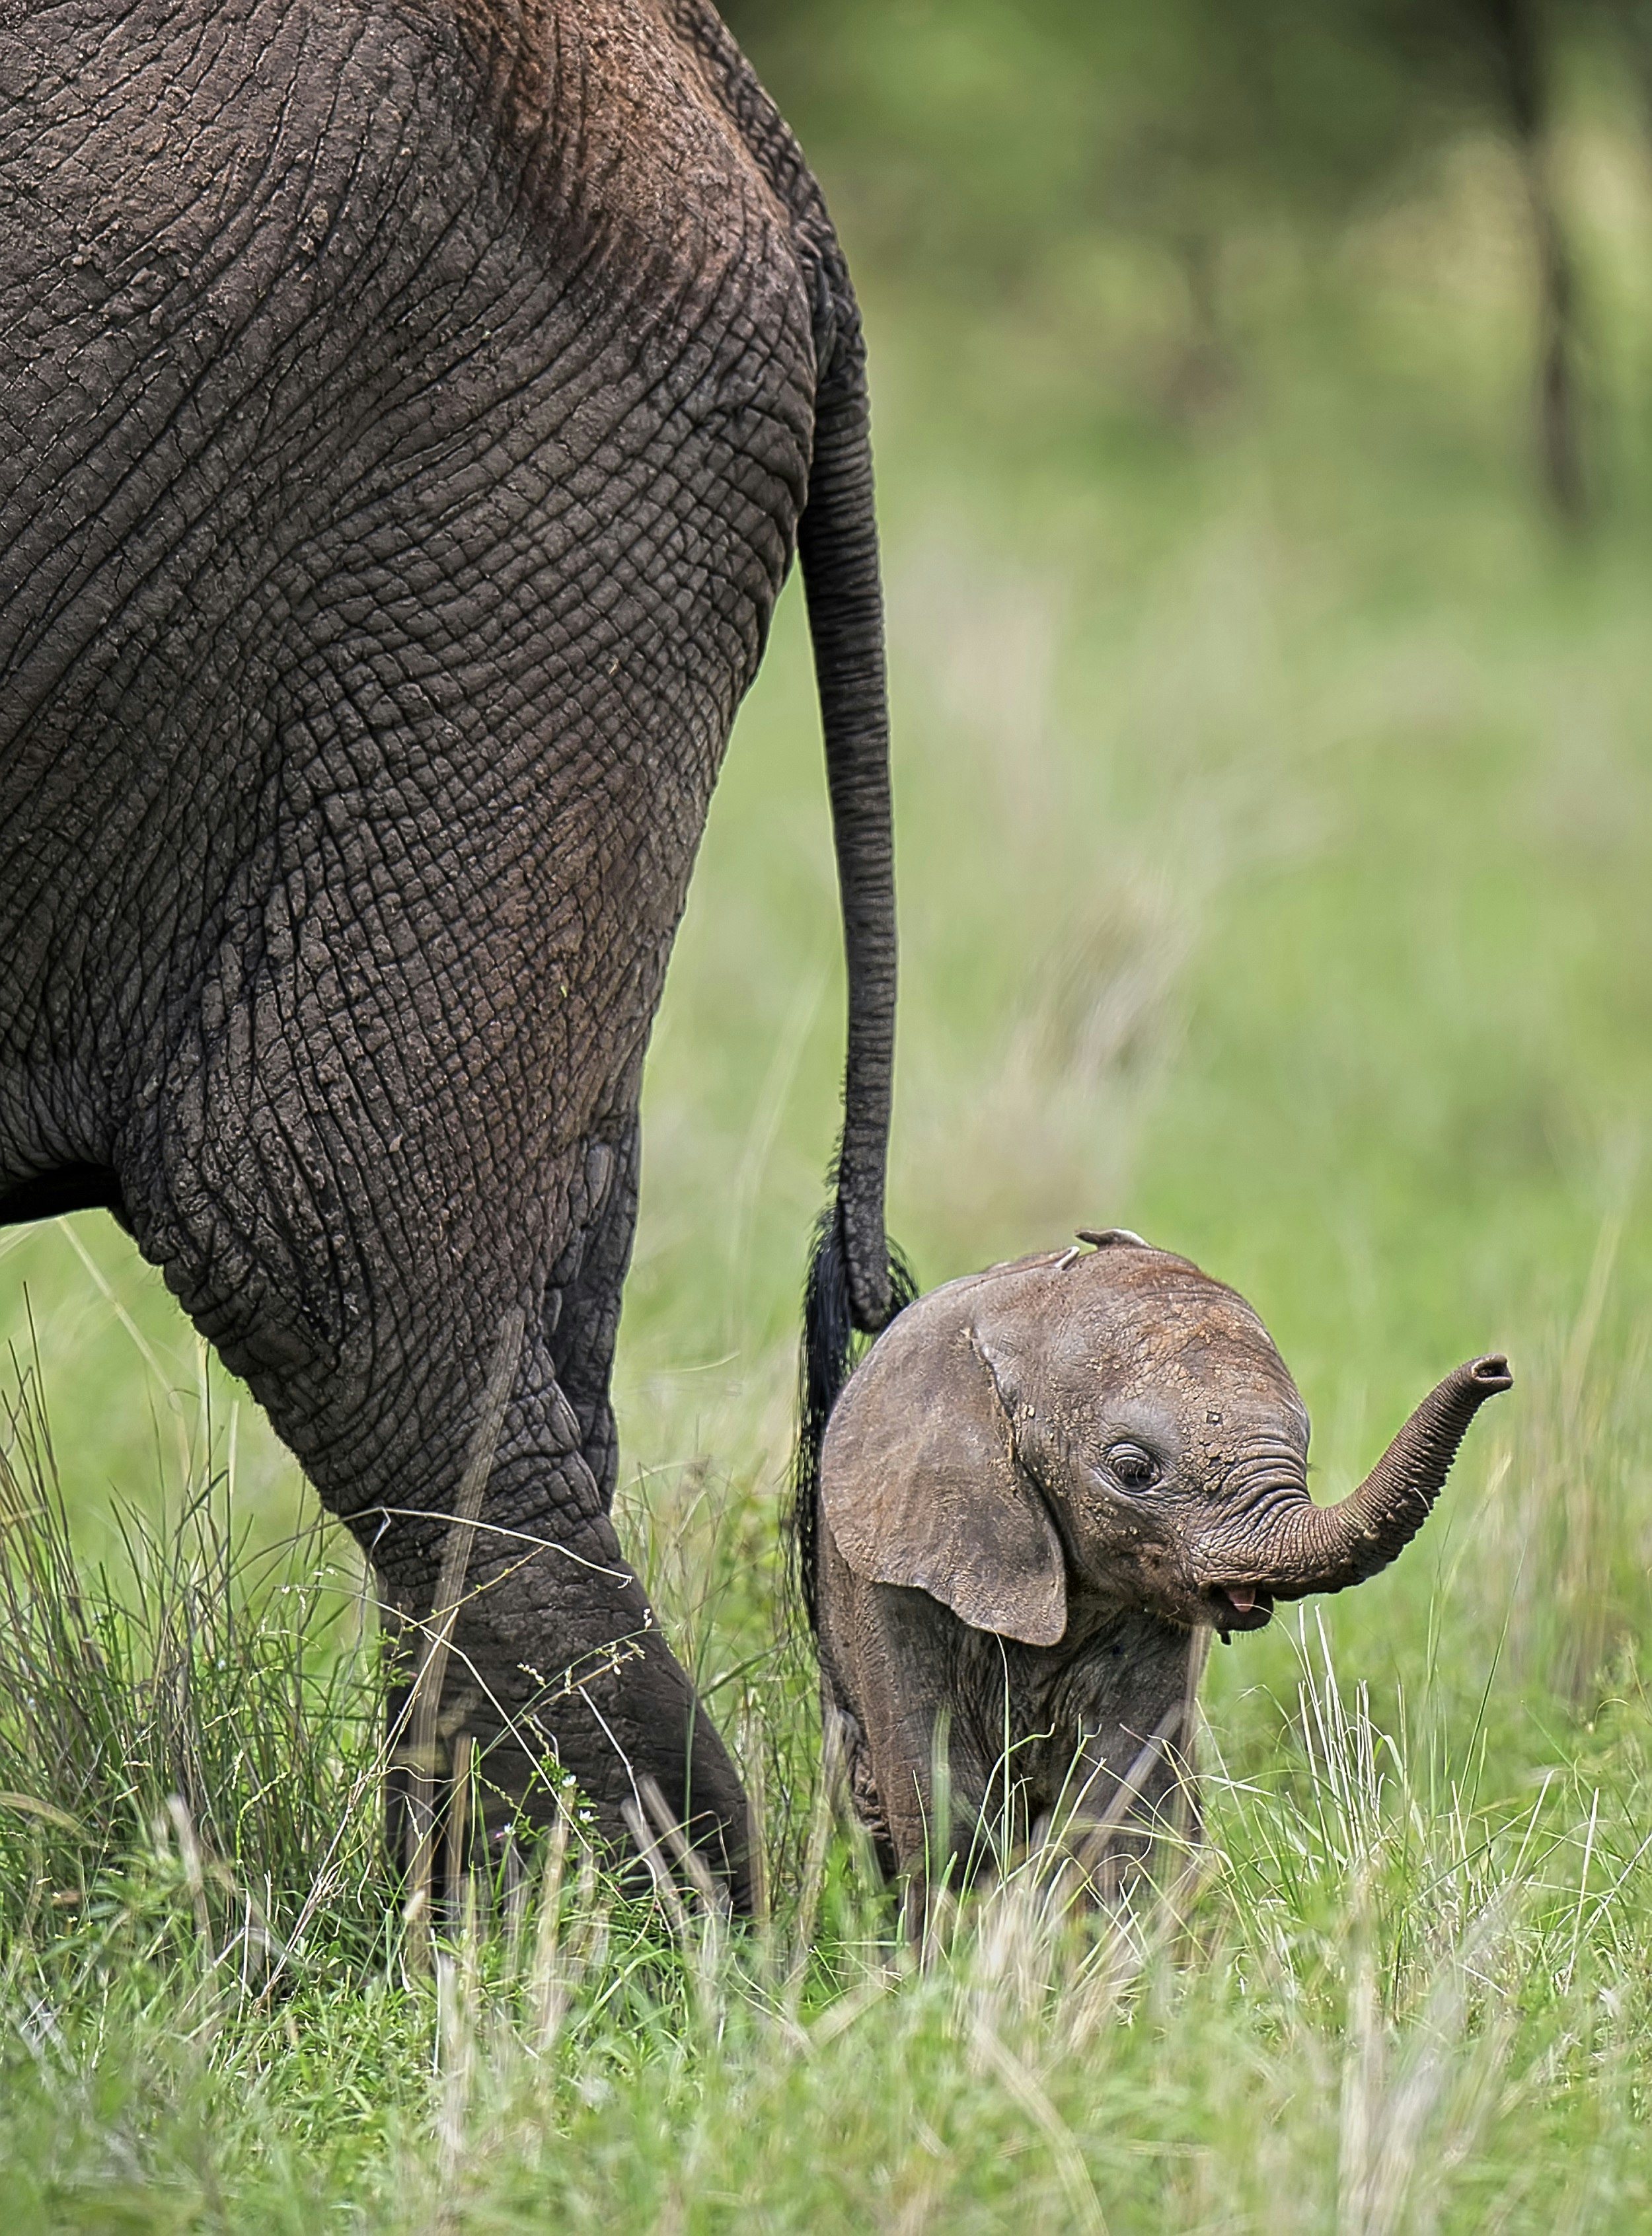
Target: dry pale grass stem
[{"x": 1562, "y": 1542}]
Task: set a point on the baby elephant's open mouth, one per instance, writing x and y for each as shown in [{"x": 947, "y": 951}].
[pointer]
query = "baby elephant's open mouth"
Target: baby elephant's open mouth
[{"x": 1240, "y": 1607}]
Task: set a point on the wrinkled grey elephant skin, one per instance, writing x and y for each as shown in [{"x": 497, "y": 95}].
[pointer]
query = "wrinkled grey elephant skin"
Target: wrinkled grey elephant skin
[
  {"x": 407, "y": 418},
  {"x": 1043, "y": 1488}
]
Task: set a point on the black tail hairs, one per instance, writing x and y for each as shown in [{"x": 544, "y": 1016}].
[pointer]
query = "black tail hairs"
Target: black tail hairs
[{"x": 826, "y": 1360}]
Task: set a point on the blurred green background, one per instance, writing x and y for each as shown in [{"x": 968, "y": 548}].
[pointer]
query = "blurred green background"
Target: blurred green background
[{"x": 1262, "y": 407}]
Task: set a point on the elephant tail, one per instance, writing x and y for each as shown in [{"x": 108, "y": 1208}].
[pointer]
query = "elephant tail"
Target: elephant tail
[
  {"x": 838, "y": 544},
  {"x": 856, "y": 1282},
  {"x": 825, "y": 1362},
  {"x": 857, "y": 1279}
]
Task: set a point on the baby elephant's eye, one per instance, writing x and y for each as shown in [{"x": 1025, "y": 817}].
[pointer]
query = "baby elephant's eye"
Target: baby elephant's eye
[{"x": 1134, "y": 1468}]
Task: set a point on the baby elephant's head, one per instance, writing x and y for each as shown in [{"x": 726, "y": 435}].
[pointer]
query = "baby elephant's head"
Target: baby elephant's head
[{"x": 1109, "y": 1427}]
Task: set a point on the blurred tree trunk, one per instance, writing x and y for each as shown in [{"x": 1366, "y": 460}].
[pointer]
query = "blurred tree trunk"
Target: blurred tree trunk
[
  {"x": 1204, "y": 373},
  {"x": 1515, "y": 29},
  {"x": 1634, "y": 20}
]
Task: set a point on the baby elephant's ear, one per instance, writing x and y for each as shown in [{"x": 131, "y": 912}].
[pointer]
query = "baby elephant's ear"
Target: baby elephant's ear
[{"x": 921, "y": 1486}]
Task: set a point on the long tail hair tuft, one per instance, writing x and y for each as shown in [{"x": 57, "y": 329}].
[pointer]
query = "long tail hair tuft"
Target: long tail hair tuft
[{"x": 826, "y": 1360}]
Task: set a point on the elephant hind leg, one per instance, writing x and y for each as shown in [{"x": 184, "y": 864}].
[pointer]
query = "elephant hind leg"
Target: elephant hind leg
[
  {"x": 549, "y": 1660},
  {"x": 356, "y": 1260}
]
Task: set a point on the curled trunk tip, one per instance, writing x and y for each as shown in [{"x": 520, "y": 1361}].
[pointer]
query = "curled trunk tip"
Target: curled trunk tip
[
  {"x": 1395, "y": 1499},
  {"x": 1333, "y": 1547}
]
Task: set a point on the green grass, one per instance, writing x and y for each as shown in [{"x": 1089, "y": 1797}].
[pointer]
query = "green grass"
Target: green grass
[{"x": 1274, "y": 809}]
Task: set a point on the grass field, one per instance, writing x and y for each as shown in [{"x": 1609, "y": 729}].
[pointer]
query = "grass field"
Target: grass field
[{"x": 1275, "y": 804}]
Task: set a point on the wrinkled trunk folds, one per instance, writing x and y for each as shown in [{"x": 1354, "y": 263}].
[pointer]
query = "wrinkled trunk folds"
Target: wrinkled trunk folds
[{"x": 1326, "y": 1549}]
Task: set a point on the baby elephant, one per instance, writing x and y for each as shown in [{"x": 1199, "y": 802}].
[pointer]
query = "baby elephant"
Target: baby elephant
[{"x": 1042, "y": 1488}]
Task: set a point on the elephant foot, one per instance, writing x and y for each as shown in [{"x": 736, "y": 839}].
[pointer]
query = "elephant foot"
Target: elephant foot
[{"x": 602, "y": 1731}]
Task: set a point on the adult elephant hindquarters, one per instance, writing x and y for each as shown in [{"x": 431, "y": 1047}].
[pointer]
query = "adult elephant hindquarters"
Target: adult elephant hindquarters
[{"x": 409, "y": 413}]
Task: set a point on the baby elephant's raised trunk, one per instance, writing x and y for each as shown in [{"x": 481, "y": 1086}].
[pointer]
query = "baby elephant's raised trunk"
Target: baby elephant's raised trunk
[{"x": 1331, "y": 1547}]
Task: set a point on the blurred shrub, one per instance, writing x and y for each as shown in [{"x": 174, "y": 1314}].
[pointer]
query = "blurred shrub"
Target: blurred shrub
[
  {"x": 976, "y": 134},
  {"x": 979, "y": 147}
]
